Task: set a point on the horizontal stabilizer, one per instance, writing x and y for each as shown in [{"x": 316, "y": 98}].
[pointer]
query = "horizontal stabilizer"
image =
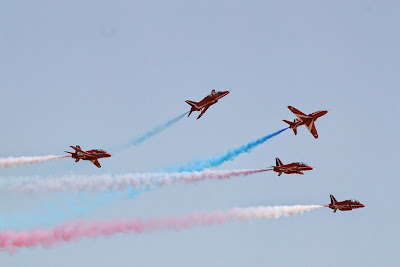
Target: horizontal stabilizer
[
  {"x": 292, "y": 125},
  {"x": 192, "y": 103}
]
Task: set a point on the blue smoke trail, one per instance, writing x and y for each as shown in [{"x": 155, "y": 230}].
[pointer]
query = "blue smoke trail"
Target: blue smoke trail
[
  {"x": 63, "y": 208},
  {"x": 48, "y": 214},
  {"x": 60, "y": 209},
  {"x": 202, "y": 164},
  {"x": 157, "y": 130}
]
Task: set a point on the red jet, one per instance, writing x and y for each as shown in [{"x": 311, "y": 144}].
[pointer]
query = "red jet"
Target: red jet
[
  {"x": 295, "y": 167},
  {"x": 204, "y": 104},
  {"x": 344, "y": 205},
  {"x": 92, "y": 155},
  {"x": 307, "y": 120}
]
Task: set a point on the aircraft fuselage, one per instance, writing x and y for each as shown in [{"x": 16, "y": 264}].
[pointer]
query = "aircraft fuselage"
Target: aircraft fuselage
[
  {"x": 292, "y": 168},
  {"x": 344, "y": 205},
  {"x": 93, "y": 154},
  {"x": 211, "y": 100}
]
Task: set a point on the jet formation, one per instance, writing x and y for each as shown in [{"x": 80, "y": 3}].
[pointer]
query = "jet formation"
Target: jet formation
[{"x": 290, "y": 168}]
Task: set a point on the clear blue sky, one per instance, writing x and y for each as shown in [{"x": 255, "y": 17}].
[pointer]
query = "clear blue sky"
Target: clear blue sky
[{"x": 99, "y": 73}]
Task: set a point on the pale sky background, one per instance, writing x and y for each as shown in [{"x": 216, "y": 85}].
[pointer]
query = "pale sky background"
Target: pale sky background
[{"x": 100, "y": 73}]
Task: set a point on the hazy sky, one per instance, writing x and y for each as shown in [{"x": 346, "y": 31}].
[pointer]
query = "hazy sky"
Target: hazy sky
[{"x": 100, "y": 73}]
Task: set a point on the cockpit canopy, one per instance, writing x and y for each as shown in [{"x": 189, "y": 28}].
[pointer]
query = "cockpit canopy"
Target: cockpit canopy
[
  {"x": 100, "y": 150},
  {"x": 301, "y": 164},
  {"x": 214, "y": 93},
  {"x": 354, "y": 201}
]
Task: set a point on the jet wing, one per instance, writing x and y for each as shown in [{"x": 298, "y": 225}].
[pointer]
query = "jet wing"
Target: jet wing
[
  {"x": 78, "y": 149},
  {"x": 298, "y": 113},
  {"x": 202, "y": 112},
  {"x": 96, "y": 162},
  {"x": 83, "y": 153},
  {"x": 312, "y": 129}
]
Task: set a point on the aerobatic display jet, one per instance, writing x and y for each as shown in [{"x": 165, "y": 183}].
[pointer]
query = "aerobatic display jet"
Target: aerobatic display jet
[
  {"x": 303, "y": 119},
  {"x": 295, "y": 167},
  {"x": 204, "y": 104},
  {"x": 344, "y": 205},
  {"x": 91, "y": 155}
]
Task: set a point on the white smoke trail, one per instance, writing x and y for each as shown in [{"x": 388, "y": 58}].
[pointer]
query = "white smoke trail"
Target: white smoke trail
[
  {"x": 70, "y": 231},
  {"x": 116, "y": 182},
  {"x": 18, "y": 161},
  {"x": 268, "y": 212}
]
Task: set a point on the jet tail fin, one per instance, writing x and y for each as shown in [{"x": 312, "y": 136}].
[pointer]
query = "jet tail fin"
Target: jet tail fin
[
  {"x": 278, "y": 162},
  {"x": 333, "y": 199},
  {"x": 291, "y": 125}
]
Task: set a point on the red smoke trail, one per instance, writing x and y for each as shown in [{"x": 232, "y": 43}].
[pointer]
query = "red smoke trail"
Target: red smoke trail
[{"x": 71, "y": 231}]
